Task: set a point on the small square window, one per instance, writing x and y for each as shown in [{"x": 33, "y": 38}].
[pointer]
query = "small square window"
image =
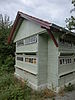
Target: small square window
[
  {"x": 66, "y": 61},
  {"x": 31, "y": 60},
  {"x": 34, "y": 61},
  {"x": 74, "y": 59},
  {"x": 63, "y": 61},
  {"x": 60, "y": 61},
  {"x": 20, "y": 58},
  {"x": 70, "y": 60}
]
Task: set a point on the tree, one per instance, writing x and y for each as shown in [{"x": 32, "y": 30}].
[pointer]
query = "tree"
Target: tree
[
  {"x": 5, "y": 49},
  {"x": 71, "y": 21},
  {"x": 5, "y": 21}
]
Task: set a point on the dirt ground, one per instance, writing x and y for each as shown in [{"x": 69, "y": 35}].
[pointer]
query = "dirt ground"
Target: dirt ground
[{"x": 67, "y": 96}]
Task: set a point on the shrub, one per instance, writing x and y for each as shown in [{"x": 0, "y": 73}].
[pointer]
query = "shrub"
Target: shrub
[
  {"x": 11, "y": 89},
  {"x": 8, "y": 65}
]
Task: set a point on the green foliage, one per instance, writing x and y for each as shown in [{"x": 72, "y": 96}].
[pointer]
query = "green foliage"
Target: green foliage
[
  {"x": 8, "y": 65},
  {"x": 5, "y": 21},
  {"x": 71, "y": 21},
  {"x": 10, "y": 89},
  {"x": 5, "y": 48}
]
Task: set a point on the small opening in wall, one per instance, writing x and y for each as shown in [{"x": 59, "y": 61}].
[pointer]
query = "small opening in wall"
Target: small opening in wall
[
  {"x": 70, "y": 60},
  {"x": 30, "y": 60},
  {"x": 30, "y": 53},
  {"x": 74, "y": 59},
  {"x": 63, "y": 61},
  {"x": 34, "y": 61},
  {"x": 60, "y": 61},
  {"x": 20, "y": 58}
]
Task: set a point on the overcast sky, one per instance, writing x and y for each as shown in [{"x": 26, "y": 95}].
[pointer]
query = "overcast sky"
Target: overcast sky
[{"x": 55, "y": 11}]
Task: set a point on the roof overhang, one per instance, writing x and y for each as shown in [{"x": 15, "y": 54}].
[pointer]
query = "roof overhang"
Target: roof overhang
[
  {"x": 43, "y": 24},
  {"x": 20, "y": 15}
]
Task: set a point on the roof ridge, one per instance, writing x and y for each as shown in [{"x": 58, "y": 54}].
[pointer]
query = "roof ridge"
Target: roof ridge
[{"x": 19, "y": 12}]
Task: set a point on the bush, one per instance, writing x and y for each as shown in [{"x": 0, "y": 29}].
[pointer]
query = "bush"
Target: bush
[
  {"x": 11, "y": 89},
  {"x": 8, "y": 65}
]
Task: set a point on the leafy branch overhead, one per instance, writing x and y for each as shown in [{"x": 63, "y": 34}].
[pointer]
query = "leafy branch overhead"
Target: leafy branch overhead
[
  {"x": 5, "y": 21},
  {"x": 71, "y": 21}
]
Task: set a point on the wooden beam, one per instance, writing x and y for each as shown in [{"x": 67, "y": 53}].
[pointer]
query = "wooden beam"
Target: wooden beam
[
  {"x": 13, "y": 28},
  {"x": 52, "y": 37}
]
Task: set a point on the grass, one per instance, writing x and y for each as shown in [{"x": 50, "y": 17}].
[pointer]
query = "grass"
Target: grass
[
  {"x": 13, "y": 89},
  {"x": 67, "y": 88}
]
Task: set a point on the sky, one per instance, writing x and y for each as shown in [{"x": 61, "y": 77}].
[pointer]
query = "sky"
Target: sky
[{"x": 54, "y": 11}]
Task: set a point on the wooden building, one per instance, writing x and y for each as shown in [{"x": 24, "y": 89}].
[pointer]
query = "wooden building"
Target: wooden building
[{"x": 45, "y": 52}]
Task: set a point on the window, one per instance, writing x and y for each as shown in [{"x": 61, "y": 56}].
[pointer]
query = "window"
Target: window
[
  {"x": 28, "y": 40},
  {"x": 65, "y": 42},
  {"x": 20, "y": 58},
  {"x": 61, "y": 41},
  {"x": 74, "y": 59},
  {"x": 26, "y": 60},
  {"x": 60, "y": 61},
  {"x": 30, "y": 60},
  {"x": 34, "y": 61},
  {"x": 20, "y": 42},
  {"x": 74, "y": 43},
  {"x": 65, "y": 60},
  {"x": 70, "y": 60},
  {"x": 32, "y": 39}
]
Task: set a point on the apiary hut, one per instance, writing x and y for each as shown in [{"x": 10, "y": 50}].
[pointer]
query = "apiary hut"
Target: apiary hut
[{"x": 45, "y": 52}]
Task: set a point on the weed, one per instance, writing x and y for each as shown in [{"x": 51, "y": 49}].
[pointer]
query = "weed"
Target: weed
[
  {"x": 49, "y": 93},
  {"x": 61, "y": 91},
  {"x": 69, "y": 87}
]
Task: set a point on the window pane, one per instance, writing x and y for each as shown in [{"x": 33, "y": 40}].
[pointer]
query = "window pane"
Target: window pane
[
  {"x": 20, "y": 58},
  {"x": 74, "y": 59},
  {"x": 60, "y": 61},
  {"x": 70, "y": 60},
  {"x": 34, "y": 61},
  {"x": 32, "y": 39},
  {"x": 20, "y": 42},
  {"x": 30, "y": 60}
]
